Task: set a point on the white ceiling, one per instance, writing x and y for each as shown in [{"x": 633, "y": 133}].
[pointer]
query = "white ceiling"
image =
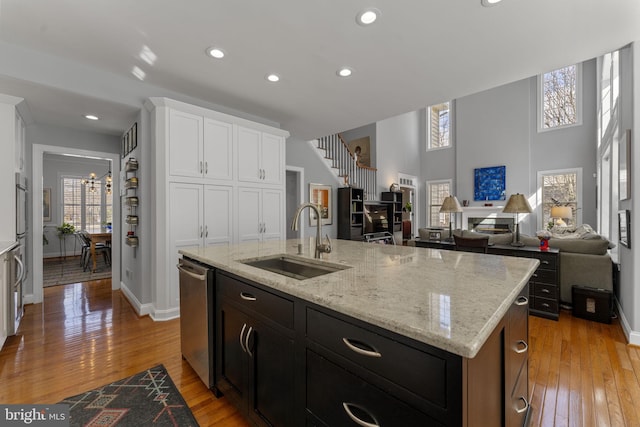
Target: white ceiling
[{"x": 419, "y": 52}]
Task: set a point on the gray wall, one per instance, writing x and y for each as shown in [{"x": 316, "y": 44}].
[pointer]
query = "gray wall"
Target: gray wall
[{"x": 361, "y": 132}]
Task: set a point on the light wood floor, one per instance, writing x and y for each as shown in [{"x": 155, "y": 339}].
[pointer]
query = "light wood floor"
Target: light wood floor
[{"x": 84, "y": 335}]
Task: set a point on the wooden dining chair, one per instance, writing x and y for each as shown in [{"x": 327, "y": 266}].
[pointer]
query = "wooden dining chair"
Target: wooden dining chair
[
  {"x": 100, "y": 248},
  {"x": 471, "y": 244}
]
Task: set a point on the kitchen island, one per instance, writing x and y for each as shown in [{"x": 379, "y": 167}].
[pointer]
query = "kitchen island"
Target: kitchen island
[{"x": 422, "y": 335}]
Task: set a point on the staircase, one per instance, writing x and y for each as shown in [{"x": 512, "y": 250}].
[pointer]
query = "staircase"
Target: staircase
[{"x": 345, "y": 166}]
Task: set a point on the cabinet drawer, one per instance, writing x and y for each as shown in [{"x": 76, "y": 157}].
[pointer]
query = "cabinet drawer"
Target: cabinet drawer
[
  {"x": 544, "y": 276},
  {"x": 271, "y": 306},
  {"x": 518, "y": 406},
  {"x": 547, "y": 261},
  {"x": 545, "y": 290},
  {"x": 517, "y": 346},
  {"x": 546, "y": 304},
  {"x": 421, "y": 373},
  {"x": 339, "y": 398}
]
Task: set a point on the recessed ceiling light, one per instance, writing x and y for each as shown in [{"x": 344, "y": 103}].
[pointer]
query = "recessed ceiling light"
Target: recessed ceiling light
[
  {"x": 273, "y": 77},
  {"x": 215, "y": 52},
  {"x": 368, "y": 16},
  {"x": 344, "y": 72},
  {"x": 489, "y": 3},
  {"x": 91, "y": 117}
]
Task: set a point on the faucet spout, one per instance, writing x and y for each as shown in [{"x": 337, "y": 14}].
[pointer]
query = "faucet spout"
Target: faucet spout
[{"x": 320, "y": 247}]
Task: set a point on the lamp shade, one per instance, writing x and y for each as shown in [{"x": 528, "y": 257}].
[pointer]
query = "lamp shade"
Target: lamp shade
[
  {"x": 450, "y": 204},
  {"x": 561, "y": 212},
  {"x": 517, "y": 203}
]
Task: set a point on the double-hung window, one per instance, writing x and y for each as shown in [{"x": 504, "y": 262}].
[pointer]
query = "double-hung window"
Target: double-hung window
[
  {"x": 560, "y": 98},
  {"x": 439, "y": 126},
  {"x": 86, "y": 206},
  {"x": 437, "y": 191},
  {"x": 561, "y": 188}
]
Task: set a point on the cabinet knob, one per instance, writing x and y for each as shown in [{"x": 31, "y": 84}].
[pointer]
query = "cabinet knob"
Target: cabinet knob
[
  {"x": 522, "y": 300},
  {"x": 521, "y": 347}
]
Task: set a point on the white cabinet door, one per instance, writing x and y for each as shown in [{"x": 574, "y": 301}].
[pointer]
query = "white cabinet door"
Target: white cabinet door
[
  {"x": 185, "y": 144},
  {"x": 273, "y": 169},
  {"x": 249, "y": 168},
  {"x": 4, "y": 292},
  {"x": 218, "y": 150},
  {"x": 218, "y": 215},
  {"x": 249, "y": 214},
  {"x": 273, "y": 215},
  {"x": 20, "y": 143}
]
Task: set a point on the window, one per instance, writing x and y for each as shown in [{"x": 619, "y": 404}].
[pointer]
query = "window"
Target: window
[
  {"x": 559, "y": 94},
  {"x": 560, "y": 188},
  {"x": 609, "y": 67},
  {"x": 439, "y": 126},
  {"x": 437, "y": 191},
  {"x": 84, "y": 208}
]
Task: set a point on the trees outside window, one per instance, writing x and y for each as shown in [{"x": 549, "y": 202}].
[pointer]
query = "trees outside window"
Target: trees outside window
[
  {"x": 439, "y": 126},
  {"x": 560, "y": 188},
  {"x": 437, "y": 192},
  {"x": 84, "y": 208},
  {"x": 560, "y": 98}
]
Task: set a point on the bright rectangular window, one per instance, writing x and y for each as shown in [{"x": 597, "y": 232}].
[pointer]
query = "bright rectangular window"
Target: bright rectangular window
[
  {"x": 437, "y": 191},
  {"x": 560, "y": 97},
  {"x": 439, "y": 126},
  {"x": 561, "y": 188},
  {"x": 86, "y": 206}
]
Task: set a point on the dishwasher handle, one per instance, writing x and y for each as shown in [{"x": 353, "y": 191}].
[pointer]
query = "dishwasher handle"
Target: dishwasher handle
[{"x": 182, "y": 268}]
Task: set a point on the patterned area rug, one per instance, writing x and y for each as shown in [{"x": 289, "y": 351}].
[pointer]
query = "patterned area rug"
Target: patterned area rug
[
  {"x": 61, "y": 272},
  {"x": 148, "y": 398}
]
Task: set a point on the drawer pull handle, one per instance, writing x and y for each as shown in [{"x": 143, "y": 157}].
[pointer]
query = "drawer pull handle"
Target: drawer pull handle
[
  {"x": 521, "y": 300},
  {"x": 524, "y": 348},
  {"x": 357, "y": 420},
  {"x": 242, "y": 333},
  {"x": 246, "y": 341},
  {"x": 534, "y": 275},
  {"x": 526, "y": 405},
  {"x": 247, "y": 297},
  {"x": 545, "y": 305},
  {"x": 544, "y": 261},
  {"x": 362, "y": 351},
  {"x": 545, "y": 290}
]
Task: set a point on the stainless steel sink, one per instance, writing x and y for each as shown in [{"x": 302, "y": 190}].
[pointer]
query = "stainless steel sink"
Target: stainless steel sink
[{"x": 297, "y": 268}]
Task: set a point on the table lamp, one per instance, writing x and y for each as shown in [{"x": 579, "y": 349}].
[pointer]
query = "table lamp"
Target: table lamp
[
  {"x": 560, "y": 213},
  {"x": 517, "y": 204},
  {"x": 450, "y": 205}
]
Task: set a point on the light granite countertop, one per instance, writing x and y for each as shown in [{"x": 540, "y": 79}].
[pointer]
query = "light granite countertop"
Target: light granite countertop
[{"x": 447, "y": 299}]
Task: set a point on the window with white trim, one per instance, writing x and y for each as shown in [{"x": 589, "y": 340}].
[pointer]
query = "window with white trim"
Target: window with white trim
[
  {"x": 560, "y": 188},
  {"x": 84, "y": 208},
  {"x": 437, "y": 191},
  {"x": 439, "y": 126},
  {"x": 560, "y": 98}
]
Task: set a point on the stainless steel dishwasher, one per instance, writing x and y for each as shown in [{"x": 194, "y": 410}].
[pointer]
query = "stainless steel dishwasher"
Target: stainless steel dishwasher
[{"x": 197, "y": 318}]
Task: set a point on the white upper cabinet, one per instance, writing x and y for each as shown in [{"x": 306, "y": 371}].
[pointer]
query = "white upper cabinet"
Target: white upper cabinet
[
  {"x": 200, "y": 147},
  {"x": 20, "y": 143},
  {"x": 185, "y": 144},
  {"x": 260, "y": 157}
]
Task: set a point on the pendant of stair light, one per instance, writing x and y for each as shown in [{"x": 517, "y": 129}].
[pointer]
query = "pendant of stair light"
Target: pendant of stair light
[
  {"x": 215, "y": 52},
  {"x": 273, "y": 78},
  {"x": 91, "y": 117},
  {"x": 489, "y": 3},
  {"x": 368, "y": 16},
  {"x": 344, "y": 72}
]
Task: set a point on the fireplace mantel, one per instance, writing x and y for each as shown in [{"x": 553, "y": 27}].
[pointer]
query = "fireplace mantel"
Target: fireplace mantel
[{"x": 482, "y": 212}]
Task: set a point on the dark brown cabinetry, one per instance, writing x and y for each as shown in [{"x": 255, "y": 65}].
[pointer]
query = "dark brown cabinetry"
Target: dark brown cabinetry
[
  {"x": 395, "y": 198},
  {"x": 350, "y": 213},
  {"x": 256, "y": 351}
]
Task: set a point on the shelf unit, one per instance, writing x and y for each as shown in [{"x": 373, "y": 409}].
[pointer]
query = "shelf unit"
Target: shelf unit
[
  {"x": 132, "y": 201},
  {"x": 395, "y": 198},
  {"x": 350, "y": 213}
]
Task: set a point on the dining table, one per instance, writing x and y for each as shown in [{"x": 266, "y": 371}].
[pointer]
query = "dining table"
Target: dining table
[{"x": 102, "y": 237}]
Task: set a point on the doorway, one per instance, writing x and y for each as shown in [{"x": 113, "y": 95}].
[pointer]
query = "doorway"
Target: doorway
[
  {"x": 36, "y": 220},
  {"x": 409, "y": 206},
  {"x": 294, "y": 197}
]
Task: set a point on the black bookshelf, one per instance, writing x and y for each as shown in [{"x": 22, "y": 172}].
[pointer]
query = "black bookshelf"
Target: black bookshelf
[{"x": 350, "y": 213}]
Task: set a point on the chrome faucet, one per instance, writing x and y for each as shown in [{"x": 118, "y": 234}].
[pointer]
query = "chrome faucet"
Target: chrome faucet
[{"x": 320, "y": 247}]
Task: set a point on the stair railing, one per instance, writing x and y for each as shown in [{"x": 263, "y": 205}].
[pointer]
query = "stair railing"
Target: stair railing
[{"x": 348, "y": 167}]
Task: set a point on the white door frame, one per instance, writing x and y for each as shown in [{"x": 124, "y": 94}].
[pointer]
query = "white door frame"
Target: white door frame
[
  {"x": 410, "y": 181},
  {"x": 300, "y": 172},
  {"x": 36, "y": 218}
]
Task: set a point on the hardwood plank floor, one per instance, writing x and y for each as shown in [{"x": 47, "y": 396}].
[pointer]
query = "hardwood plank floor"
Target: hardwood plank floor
[{"x": 581, "y": 373}]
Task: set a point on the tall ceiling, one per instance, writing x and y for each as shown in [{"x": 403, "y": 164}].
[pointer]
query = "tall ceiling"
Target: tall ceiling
[{"x": 68, "y": 58}]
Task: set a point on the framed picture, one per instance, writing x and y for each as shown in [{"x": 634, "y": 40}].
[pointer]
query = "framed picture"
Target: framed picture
[
  {"x": 134, "y": 136},
  {"x": 624, "y": 167},
  {"x": 489, "y": 183},
  {"x": 125, "y": 140},
  {"x": 46, "y": 205},
  {"x": 624, "y": 228},
  {"x": 321, "y": 195}
]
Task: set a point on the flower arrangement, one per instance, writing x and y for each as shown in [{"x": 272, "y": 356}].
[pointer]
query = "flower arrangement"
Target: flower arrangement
[{"x": 65, "y": 228}]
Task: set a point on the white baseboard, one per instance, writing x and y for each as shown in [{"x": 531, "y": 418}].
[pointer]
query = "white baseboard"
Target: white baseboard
[
  {"x": 633, "y": 337},
  {"x": 149, "y": 309}
]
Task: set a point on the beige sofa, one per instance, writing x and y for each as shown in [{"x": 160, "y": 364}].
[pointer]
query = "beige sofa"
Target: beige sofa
[{"x": 584, "y": 256}]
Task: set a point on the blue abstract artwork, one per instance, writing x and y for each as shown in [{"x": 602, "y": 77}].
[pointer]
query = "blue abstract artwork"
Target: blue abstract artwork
[{"x": 489, "y": 183}]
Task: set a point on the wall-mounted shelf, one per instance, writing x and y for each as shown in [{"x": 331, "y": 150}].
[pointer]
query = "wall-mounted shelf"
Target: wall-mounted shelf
[{"x": 132, "y": 201}]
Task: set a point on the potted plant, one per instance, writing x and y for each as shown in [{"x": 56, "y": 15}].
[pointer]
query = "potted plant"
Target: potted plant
[{"x": 65, "y": 229}]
